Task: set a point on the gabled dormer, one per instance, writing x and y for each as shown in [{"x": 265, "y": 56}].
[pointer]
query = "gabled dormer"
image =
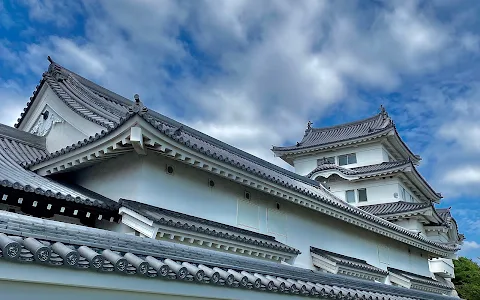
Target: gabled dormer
[
  {"x": 56, "y": 112},
  {"x": 365, "y": 142}
]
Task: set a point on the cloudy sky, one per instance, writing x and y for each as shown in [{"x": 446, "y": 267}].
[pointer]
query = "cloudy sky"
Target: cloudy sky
[{"x": 252, "y": 73}]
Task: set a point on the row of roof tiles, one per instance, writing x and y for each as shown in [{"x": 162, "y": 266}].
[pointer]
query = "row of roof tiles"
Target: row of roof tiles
[{"x": 28, "y": 239}]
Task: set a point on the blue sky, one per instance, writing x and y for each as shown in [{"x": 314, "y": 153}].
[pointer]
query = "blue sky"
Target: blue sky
[{"x": 252, "y": 73}]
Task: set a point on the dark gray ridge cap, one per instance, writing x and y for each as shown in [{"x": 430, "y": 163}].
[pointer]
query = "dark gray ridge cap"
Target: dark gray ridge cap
[
  {"x": 348, "y": 261},
  {"x": 394, "y": 207},
  {"x": 180, "y": 220},
  {"x": 23, "y": 137},
  {"x": 94, "y": 243},
  {"x": 298, "y": 187},
  {"x": 419, "y": 278}
]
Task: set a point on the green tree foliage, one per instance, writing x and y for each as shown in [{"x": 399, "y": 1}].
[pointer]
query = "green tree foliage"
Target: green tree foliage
[{"x": 467, "y": 278}]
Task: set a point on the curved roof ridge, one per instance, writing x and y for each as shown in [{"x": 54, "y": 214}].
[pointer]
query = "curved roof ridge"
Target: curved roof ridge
[{"x": 349, "y": 123}]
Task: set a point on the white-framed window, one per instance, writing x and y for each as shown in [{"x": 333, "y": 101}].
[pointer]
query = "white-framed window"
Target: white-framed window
[
  {"x": 362, "y": 195},
  {"x": 350, "y": 196},
  {"x": 403, "y": 193},
  {"x": 326, "y": 160},
  {"x": 347, "y": 159}
]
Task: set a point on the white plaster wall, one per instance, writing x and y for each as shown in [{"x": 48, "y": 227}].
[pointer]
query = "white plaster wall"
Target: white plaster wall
[
  {"x": 412, "y": 224},
  {"x": 367, "y": 154},
  {"x": 143, "y": 178},
  {"x": 33, "y": 281},
  {"x": 378, "y": 190},
  {"x": 62, "y": 135}
]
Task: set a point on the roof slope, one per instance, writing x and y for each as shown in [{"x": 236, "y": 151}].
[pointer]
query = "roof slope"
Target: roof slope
[
  {"x": 187, "y": 222},
  {"x": 83, "y": 101},
  {"x": 346, "y": 134},
  {"x": 79, "y": 247},
  {"x": 394, "y": 207},
  {"x": 414, "y": 278},
  {"x": 220, "y": 151},
  {"x": 348, "y": 261},
  {"x": 19, "y": 148},
  {"x": 328, "y": 135}
]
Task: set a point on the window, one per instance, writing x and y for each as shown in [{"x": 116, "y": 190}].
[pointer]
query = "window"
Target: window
[
  {"x": 403, "y": 193},
  {"x": 347, "y": 159},
  {"x": 326, "y": 160},
  {"x": 350, "y": 196},
  {"x": 412, "y": 199},
  {"x": 362, "y": 195}
]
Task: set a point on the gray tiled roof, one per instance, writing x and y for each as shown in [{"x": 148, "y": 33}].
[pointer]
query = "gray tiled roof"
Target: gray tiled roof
[
  {"x": 187, "y": 222},
  {"x": 415, "y": 278},
  {"x": 80, "y": 99},
  {"x": 18, "y": 148},
  {"x": 394, "y": 207},
  {"x": 32, "y": 240},
  {"x": 385, "y": 166},
  {"x": 206, "y": 145},
  {"x": 329, "y": 135},
  {"x": 348, "y": 261}
]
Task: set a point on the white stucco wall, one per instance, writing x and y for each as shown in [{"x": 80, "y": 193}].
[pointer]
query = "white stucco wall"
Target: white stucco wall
[
  {"x": 367, "y": 154},
  {"x": 378, "y": 190},
  {"x": 143, "y": 178},
  {"x": 33, "y": 281}
]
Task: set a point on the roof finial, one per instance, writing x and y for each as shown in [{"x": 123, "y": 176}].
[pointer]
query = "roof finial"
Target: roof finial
[
  {"x": 309, "y": 125},
  {"x": 383, "y": 111},
  {"x": 138, "y": 106},
  {"x": 50, "y": 59}
]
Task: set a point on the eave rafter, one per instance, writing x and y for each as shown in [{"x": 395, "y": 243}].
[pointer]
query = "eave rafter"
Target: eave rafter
[{"x": 119, "y": 143}]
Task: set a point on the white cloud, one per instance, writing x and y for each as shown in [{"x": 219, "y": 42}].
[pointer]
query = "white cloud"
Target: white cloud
[
  {"x": 251, "y": 73},
  {"x": 469, "y": 245},
  {"x": 463, "y": 176}
]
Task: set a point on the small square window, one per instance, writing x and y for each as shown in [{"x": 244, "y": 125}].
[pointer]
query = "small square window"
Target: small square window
[
  {"x": 350, "y": 196},
  {"x": 362, "y": 195},
  {"x": 347, "y": 159}
]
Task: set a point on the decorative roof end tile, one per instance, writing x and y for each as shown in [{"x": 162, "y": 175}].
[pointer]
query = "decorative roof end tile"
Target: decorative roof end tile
[{"x": 138, "y": 107}]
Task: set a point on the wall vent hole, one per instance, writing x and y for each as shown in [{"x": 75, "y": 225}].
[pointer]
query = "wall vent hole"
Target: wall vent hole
[
  {"x": 247, "y": 195},
  {"x": 211, "y": 183},
  {"x": 170, "y": 169},
  {"x": 278, "y": 205}
]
